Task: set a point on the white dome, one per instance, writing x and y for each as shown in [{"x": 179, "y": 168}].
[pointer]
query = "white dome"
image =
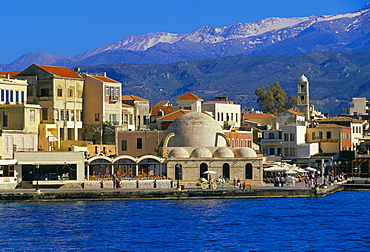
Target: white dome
[
  {"x": 178, "y": 153},
  {"x": 201, "y": 153},
  {"x": 245, "y": 152},
  {"x": 303, "y": 78},
  {"x": 195, "y": 129},
  {"x": 223, "y": 152}
]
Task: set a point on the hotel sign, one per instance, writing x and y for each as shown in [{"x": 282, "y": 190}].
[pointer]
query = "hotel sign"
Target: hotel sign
[{"x": 328, "y": 140}]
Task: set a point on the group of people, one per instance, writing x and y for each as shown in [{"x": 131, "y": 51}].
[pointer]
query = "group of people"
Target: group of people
[{"x": 279, "y": 181}]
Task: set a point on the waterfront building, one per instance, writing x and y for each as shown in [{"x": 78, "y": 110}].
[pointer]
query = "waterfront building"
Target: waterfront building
[
  {"x": 224, "y": 111},
  {"x": 141, "y": 110},
  {"x": 195, "y": 143},
  {"x": 359, "y": 106},
  {"x": 190, "y": 101},
  {"x": 58, "y": 90},
  {"x": 257, "y": 119},
  {"x": 102, "y": 108}
]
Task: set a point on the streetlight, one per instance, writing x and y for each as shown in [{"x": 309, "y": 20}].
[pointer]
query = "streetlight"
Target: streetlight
[{"x": 37, "y": 177}]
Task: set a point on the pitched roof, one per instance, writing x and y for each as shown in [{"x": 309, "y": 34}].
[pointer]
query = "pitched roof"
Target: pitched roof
[
  {"x": 60, "y": 71},
  {"x": 174, "y": 115},
  {"x": 330, "y": 125},
  {"x": 132, "y": 98},
  {"x": 104, "y": 79},
  {"x": 189, "y": 96},
  {"x": 339, "y": 119},
  {"x": 258, "y": 116},
  {"x": 162, "y": 103},
  {"x": 11, "y": 73},
  {"x": 154, "y": 110},
  {"x": 295, "y": 112}
]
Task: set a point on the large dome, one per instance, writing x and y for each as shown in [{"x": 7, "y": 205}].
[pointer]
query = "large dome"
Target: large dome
[{"x": 195, "y": 129}]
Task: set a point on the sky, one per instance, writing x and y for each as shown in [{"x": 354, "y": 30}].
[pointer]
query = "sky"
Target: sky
[{"x": 72, "y": 27}]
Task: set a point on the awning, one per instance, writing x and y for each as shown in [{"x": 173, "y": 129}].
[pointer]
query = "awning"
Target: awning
[{"x": 8, "y": 161}]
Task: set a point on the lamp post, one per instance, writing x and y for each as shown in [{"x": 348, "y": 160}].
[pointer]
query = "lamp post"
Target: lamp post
[{"x": 37, "y": 177}]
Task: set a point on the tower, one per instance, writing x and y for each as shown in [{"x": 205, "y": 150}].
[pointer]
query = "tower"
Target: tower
[{"x": 303, "y": 99}]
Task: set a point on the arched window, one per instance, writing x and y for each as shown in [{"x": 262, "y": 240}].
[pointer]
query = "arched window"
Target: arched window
[{"x": 248, "y": 171}]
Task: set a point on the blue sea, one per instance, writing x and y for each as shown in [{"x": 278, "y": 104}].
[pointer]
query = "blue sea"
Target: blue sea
[{"x": 338, "y": 222}]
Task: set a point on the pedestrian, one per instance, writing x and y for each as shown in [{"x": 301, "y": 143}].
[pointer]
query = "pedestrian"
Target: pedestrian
[
  {"x": 282, "y": 181},
  {"x": 276, "y": 181}
]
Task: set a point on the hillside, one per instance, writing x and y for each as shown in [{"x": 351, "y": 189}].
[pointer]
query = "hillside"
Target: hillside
[{"x": 334, "y": 77}]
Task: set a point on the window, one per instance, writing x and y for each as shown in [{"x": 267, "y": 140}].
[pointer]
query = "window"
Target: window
[
  {"x": 2, "y": 94},
  {"x": 22, "y": 96},
  {"x": 291, "y": 137},
  {"x": 62, "y": 115},
  {"x": 6, "y": 96},
  {"x": 97, "y": 117},
  {"x": 328, "y": 135},
  {"x": 139, "y": 143},
  {"x": 67, "y": 115},
  {"x": 107, "y": 91},
  {"x": 59, "y": 92},
  {"x": 70, "y": 93},
  {"x": 271, "y": 136},
  {"x": 5, "y": 119},
  {"x": 286, "y": 137},
  {"x": 178, "y": 172},
  {"x": 11, "y": 95},
  {"x": 44, "y": 114},
  {"x": 72, "y": 115},
  {"x": 32, "y": 115},
  {"x": 124, "y": 145},
  {"x": 16, "y": 96},
  {"x": 44, "y": 92},
  {"x": 313, "y": 135},
  {"x": 320, "y": 135},
  {"x": 272, "y": 151}
]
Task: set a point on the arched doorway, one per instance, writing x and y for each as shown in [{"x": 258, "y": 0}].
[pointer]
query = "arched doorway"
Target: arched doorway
[
  {"x": 178, "y": 172},
  {"x": 124, "y": 167},
  {"x": 149, "y": 167},
  {"x": 99, "y": 168},
  {"x": 203, "y": 168},
  {"x": 226, "y": 171},
  {"x": 248, "y": 171}
]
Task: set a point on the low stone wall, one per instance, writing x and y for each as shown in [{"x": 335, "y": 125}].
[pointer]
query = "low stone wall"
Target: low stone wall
[
  {"x": 8, "y": 182},
  {"x": 72, "y": 185},
  {"x": 92, "y": 184},
  {"x": 145, "y": 184},
  {"x": 128, "y": 184},
  {"x": 107, "y": 184},
  {"x": 163, "y": 184}
]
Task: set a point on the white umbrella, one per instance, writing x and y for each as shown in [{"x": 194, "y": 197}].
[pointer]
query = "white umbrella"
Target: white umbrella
[
  {"x": 275, "y": 169},
  {"x": 290, "y": 172},
  {"x": 310, "y": 169},
  {"x": 209, "y": 172}
]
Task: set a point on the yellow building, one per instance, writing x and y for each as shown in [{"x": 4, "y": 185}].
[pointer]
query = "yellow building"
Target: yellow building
[
  {"x": 18, "y": 120},
  {"x": 58, "y": 90}
]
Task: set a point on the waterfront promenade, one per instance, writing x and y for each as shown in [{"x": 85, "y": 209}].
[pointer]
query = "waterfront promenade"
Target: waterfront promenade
[{"x": 268, "y": 191}]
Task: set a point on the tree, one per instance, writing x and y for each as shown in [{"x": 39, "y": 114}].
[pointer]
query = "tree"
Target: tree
[{"x": 273, "y": 99}]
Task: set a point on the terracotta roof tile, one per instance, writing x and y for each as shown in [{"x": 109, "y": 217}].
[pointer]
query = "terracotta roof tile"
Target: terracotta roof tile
[
  {"x": 174, "y": 115},
  {"x": 330, "y": 125},
  {"x": 295, "y": 112},
  {"x": 162, "y": 104},
  {"x": 339, "y": 119},
  {"x": 154, "y": 110},
  {"x": 104, "y": 79},
  {"x": 11, "y": 73},
  {"x": 189, "y": 96},
  {"x": 132, "y": 98},
  {"x": 258, "y": 116},
  {"x": 60, "y": 71}
]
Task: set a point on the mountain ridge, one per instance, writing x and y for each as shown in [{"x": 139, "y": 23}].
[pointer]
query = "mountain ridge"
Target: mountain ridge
[{"x": 274, "y": 35}]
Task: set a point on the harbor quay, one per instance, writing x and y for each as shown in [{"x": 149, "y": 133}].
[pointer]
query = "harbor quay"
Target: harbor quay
[{"x": 227, "y": 192}]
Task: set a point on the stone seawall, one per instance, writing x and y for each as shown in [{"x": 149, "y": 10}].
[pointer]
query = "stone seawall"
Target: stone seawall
[{"x": 127, "y": 194}]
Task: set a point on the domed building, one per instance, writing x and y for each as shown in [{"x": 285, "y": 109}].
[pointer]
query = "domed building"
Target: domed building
[{"x": 195, "y": 143}]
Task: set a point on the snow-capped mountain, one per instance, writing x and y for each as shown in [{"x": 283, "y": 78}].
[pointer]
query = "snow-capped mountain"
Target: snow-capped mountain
[{"x": 281, "y": 36}]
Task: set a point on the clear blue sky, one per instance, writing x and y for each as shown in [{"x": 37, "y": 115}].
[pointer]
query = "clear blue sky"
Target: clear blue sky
[{"x": 72, "y": 27}]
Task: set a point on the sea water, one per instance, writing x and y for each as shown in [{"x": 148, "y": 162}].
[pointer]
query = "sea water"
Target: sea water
[{"x": 338, "y": 222}]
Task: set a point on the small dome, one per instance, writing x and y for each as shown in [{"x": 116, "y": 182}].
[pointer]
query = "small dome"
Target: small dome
[
  {"x": 245, "y": 152},
  {"x": 303, "y": 78},
  {"x": 223, "y": 152},
  {"x": 201, "y": 153},
  {"x": 178, "y": 153}
]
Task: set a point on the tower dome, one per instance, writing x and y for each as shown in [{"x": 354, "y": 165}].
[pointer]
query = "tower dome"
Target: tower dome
[
  {"x": 201, "y": 153},
  {"x": 178, "y": 153},
  {"x": 303, "y": 78},
  {"x": 223, "y": 152},
  {"x": 194, "y": 129}
]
